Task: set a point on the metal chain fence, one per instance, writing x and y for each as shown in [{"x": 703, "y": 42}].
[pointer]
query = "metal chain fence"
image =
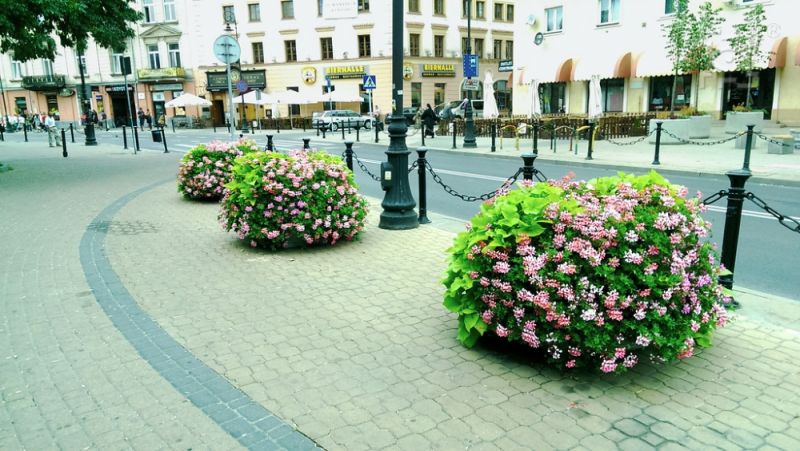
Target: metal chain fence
[
  {"x": 773, "y": 141},
  {"x": 630, "y": 143},
  {"x": 483, "y": 197},
  {"x": 714, "y": 197},
  {"x": 702, "y": 143},
  {"x": 786, "y": 221},
  {"x": 413, "y": 166},
  {"x": 362, "y": 166}
]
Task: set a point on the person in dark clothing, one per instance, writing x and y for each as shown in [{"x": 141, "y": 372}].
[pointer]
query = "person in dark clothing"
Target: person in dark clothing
[
  {"x": 149, "y": 119},
  {"x": 140, "y": 115},
  {"x": 429, "y": 120}
]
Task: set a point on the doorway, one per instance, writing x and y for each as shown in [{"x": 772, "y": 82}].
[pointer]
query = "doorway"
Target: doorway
[
  {"x": 762, "y": 87},
  {"x": 218, "y": 113},
  {"x": 119, "y": 108}
]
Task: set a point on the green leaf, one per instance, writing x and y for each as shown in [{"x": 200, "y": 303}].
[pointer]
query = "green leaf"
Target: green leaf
[{"x": 471, "y": 320}]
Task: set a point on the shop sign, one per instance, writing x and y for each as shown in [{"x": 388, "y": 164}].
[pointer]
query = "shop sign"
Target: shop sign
[
  {"x": 218, "y": 81},
  {"x": 309, "y": 75},
  {"x": 438, "y": 70},
  {"x": 66, "y": 92},
  {"x": 167, "y": 87},
  {"x": 158, "y": 97},
  {"x": 340, "y": 72},
  {"x": 408, "y": 71},
  {"x": 505, "y": 66},
  {"x": 118, "y": 88},
  {"x": 339, "y": 9}
]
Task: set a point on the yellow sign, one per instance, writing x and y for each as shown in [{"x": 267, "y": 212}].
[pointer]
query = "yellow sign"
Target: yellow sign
[
  {"x": 309, "y": 75},
  {"x": 438, "y": 70},
  {"x": 408, "y": 71},
  {"x": 345, "y": 72}
]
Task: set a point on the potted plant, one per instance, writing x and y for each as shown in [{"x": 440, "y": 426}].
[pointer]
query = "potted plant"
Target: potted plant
[
  {"x": 747, "y": 53},
  {"x": 699, "y": 122},
  {"x": 699, "y": 57}
]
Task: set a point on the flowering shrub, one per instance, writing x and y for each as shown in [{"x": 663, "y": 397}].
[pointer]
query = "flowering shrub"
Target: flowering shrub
[
  {"x": 275, "y": 200},
  {"x": 205, "y": 169},
  {"x": 599, "y": 274}
]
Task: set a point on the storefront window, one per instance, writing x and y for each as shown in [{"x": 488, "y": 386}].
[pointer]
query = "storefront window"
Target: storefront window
[
  {"x": 502, "y": 92},
  {"x": 416, "y": 95},
  {"x": 438, "y": 94},
  {"x": 613, "y": 91},
  {"x": 661, "y": 92},
  {"x": 553, "y": 97},
  {"x": 762, "y": 86}
]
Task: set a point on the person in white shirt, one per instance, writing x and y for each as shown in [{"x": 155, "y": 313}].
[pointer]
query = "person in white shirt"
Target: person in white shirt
[{"x": 52, "y": 131}]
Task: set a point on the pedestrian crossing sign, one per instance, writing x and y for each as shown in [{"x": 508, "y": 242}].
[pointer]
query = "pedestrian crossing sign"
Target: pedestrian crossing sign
[{"x": 369, "y": 82}]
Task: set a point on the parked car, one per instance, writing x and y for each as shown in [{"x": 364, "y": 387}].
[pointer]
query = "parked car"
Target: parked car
[
  {"x": 477, "y": 109},
  {"x": 333, "y": 119}
]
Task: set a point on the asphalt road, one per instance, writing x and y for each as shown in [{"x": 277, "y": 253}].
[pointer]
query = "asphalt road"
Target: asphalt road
[{"x": 768, "y": 257}]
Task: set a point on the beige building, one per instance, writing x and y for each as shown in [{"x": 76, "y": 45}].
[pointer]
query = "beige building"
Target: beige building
[{"x": 622, "y": 42}]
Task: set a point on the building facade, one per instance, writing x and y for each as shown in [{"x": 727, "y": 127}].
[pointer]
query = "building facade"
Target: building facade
[{"x": 622, "y": 42}]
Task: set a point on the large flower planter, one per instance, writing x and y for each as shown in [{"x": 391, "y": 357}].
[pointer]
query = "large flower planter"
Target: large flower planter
[
  {"x": 781, "y": 145},
  {"x": 699, "y": 126},
  {"x": 736, "y": 122},
  {"x": 677, "y": 127}
]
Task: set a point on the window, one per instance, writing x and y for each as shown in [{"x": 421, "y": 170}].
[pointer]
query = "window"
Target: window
[
  {"x": 80, "y": 61},
  {"x": 613, "y": 93},
  {"x": 149, "y": 11},
  {"x": 258, "y": 52},
  {"x": 478, "y": 50},
  {"x": 465, "y": 6},
  {"x": 47, "y": 65},
  {"x": 16, "y": 70},
  {"x": 480, "y": 10},
  {"x": 413, "y": 44},
  {"x": 254, "y": 12},
  {"x": 413, "y": 6},
  {"x": 326, "y": 45},
  {"x": 661, "y": 92},
  {"x": 465, "y": 46},
  {"x": 363, "y": 5},
  {"x": 438, "y": 46},
  {"x": 291, "y": 50},
  {"x": 553, "y": 97},
  {"x": 228, "y": 14},
  {"x": 319, "y": 7},
  {"x": 498, "y": 48},
  {"x": 364, "y": 47},
  {"x": 669, "y": 6},
  {"x": 555, "y": 18},
  {"x": 169, "y": 11},
  {"x": 174, "y": 54},
  {"x": 498, "y": 11},
  {"x": 287, "y": 9},
  {"x": 438, "y": 7},
  {"x": 154, "y": 58},
  {"x": 510, "y": 13},
  {"x": 293, "y": 109},
  {"x": 416, "y": 95},
  {"x": 438, "y": 94},
  {"x": 509, "y": 50},
  {"x": 609, "y": 11},
  {"x": 116, "y": 63}
]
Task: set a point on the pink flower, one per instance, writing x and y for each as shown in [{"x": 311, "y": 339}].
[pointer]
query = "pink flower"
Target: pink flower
[{"x": 608, "y": 366}]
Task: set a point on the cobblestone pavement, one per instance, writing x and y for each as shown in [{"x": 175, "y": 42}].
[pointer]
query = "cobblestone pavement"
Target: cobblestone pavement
[{"x": 349, "y": 344}]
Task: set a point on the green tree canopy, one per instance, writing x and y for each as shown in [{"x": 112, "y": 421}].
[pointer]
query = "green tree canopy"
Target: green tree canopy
[{"x": 29, "y": 28}]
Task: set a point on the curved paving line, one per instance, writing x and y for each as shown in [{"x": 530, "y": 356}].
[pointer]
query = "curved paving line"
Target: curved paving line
[{"x": 247, "y": 421}]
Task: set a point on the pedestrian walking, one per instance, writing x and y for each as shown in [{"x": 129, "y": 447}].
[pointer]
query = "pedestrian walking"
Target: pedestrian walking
[
  {"x": 37, "y": 124},
  {"x": 53, "y": 138},
  {"x": 429, "y": 120},
  {"x": 140, "y": 115},
  {"x": 149, "y": 119}
]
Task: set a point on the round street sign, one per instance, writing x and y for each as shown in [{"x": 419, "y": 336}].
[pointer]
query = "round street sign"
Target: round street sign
[
  {"x": 538, "y": 39},
  {"x": 226, "y": 49},
  {"x": 241, "y": 85}
]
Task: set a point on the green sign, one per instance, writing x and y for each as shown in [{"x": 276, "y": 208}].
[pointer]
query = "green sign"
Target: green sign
[{"x": 218, "y": 81}]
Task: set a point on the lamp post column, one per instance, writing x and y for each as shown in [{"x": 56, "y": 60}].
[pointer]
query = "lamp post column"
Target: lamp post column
[
  {"x": 398, "y": 204},
  {"x": 86, "y": 105},
  {"x": 469, "y": 122}
]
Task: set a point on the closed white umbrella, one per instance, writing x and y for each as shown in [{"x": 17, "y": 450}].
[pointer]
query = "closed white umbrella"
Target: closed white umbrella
[
  {"x": 595, "y": 96},
  {"x": 490, "y": 109},
  {"x": 185, "y": 100},
  {"x": 536, "y": 104}
]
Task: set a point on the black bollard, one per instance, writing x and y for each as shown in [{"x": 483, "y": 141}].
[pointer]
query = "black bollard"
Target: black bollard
[
  {"x": 25, "y": 131},
  {"x": 124, "y": 137},
  {"x": 136, "y": 146},
  {"x": 658, "y": 143},
  {"x": 348, "y": 154},
  {"x": 306, "y": 144},
  {"x": 317, "y": 127},
  {"x": 324, "y": 129},
  {"x": 748, "y": 146},
  {"x": 591, "y": 141},
  {"x": 304, "y": 124},
  {"x": 358, "y": 134},
  {"x": 164, "y": 139},
  {"x": 270, "y": 146},
  {"x": 423, "y": 195},
  {"x": 228, "y": 124},
  {"x": 2, "y": 138},
  {"x": 454, "y": 134},
  {"x": 423, "y": 135},
  {"x": 64, "y": 143},
  {"x": 377, "y": 130},
  {"x": 71, "y": 132},
  {"x": 733, "y": 220},
  {"x": 277, "y": 126},
  {"x": 342, "y": 127},
  {"x": 535, "y": 136},
  {"x": 494, "y": 135},
  {"x": 173, "y": 125},
  {"x": 214, "y": 126},
  {"x": 527, "y": 165}
]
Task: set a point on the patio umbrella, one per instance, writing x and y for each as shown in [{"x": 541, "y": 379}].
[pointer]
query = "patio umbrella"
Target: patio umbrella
[
  {"x": 595, "y": 105},
  {"x": 185, "y": 100},
  {"x": 254, "y": 98},
  {"x": 489, "y": 102},
  {"x": 337, "y": 96},
  {"x": 536, "y": 104}
]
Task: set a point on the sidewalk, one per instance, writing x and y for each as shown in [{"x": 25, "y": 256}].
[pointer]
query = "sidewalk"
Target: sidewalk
[
  {"x": 349, "y": 345},
  {"x": 692, "y": 159}
]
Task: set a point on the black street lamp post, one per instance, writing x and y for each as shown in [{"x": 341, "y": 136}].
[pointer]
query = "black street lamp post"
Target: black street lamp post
[
  {"x": 86, "y": 105},
  {"x": 398, "y": 203},
  {"x": 469, "y": 122}
]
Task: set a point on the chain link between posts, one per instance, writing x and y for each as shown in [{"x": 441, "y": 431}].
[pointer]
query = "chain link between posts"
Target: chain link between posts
[
  {"x": 362, "y": 166},
  {"x": 630, "y": 143},
  {"x": 413, "y": 166},
  {"x": 702, "y": 143},
  {"x": 714, "y": 197},
  {"x": 786, "y": 221},
  {"x": 483, "y": 197},
  {"x": 773, "y": 141}
]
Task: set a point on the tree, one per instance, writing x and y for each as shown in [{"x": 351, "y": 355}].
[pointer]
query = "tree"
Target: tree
[
  {"x": 29, "y": 28},
  {"x": 676, "y": 32},
  {"x": 703, "y": 26},
  {"x": 746, "y": 44}
]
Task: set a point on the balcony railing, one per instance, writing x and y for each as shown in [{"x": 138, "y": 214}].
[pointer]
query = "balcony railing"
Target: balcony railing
[
  {"x": 166, "y": 72},
  {"x": 43, "y": 82}
]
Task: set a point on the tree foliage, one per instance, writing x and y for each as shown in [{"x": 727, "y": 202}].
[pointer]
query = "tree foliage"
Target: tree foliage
[
  {"x": 29, "y": 28},
  {"x": 676, "y": 32},
  {"x": 747, "y": 38},
  {"x": 703, "y": 26}
]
